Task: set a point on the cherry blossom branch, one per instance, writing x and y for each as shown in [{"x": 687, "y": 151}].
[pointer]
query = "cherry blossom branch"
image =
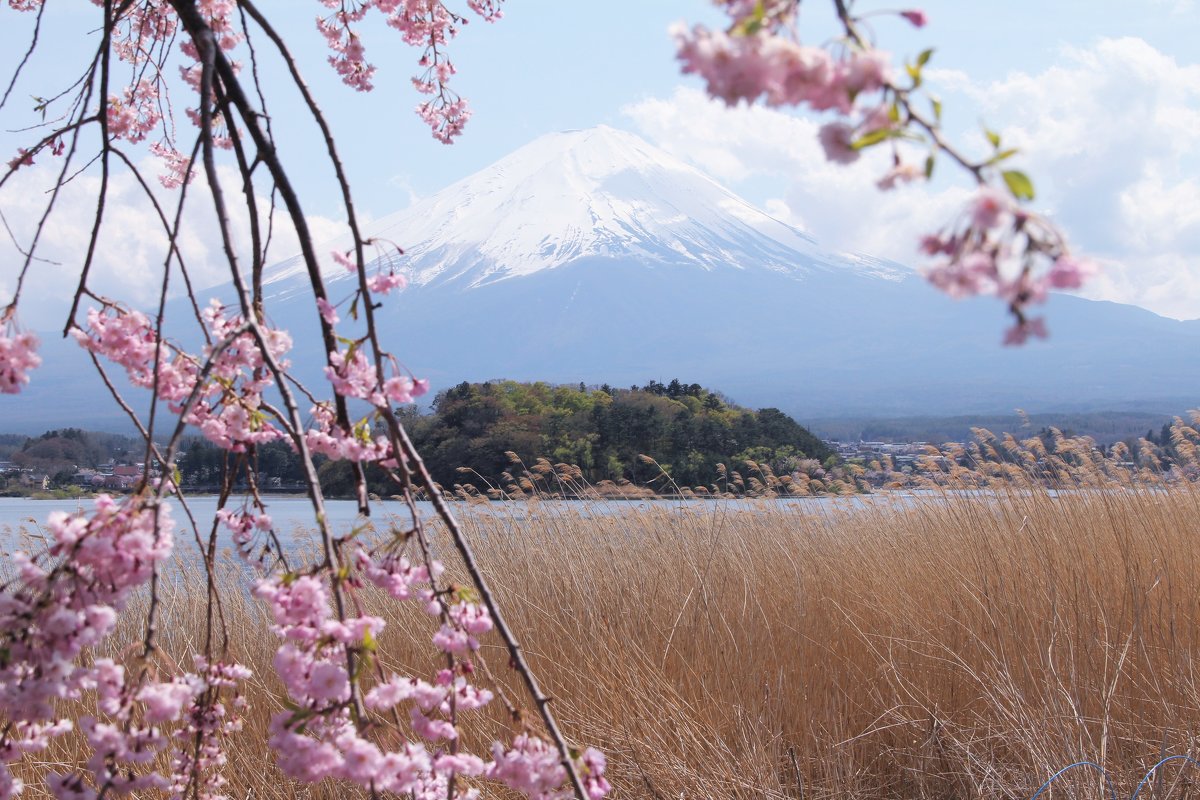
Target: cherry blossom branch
[
  {"x": 516, "y": 653},
  {"x": 33, "y": 43},
  {"x": 403, "y": 444},
  {"x": 221, "y": 392},
  {"x": 997, "y": 246}
]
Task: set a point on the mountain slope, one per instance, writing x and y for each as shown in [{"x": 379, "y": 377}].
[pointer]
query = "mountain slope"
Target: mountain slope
[
  {"x": 591, "y": 256},
  {"x": 582, "y": 194}
]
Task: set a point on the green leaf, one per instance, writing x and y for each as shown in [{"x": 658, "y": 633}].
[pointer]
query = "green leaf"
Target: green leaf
[
  {"x": 937, "y": 108},
  {"x": 929, "y": 166},
  {"x": 872, "y": 138},
  {"x": 752, "y": 23},
  {"x": 354, "y": 309},
  {"x": 914, "y": 72},
  {"x": 924, "y": 57},
  {"x": 1018, "y": 183},
  {"x": 992, "y": 137},
  {"x": 1003, "y": 154}
]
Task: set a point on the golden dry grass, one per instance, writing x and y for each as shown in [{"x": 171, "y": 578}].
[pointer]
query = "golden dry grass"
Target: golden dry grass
[{"x": 949, "y": 645}]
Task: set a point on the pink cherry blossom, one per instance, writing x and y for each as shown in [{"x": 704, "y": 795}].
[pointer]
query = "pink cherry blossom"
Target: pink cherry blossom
[
  {"x": 164, "y": 702},
  {"x": 383, "y": 283},
  {"x": 991, "y": 208},
  {"x": 24, "y": 158},
  {"x": 328, "y": 312},
  {"x": 835, "y": 139},
  {"x": 153, "y": 732},
  {"x": 903, "y": 172},
  {"x": 18, "y": 356},
  {"x": 975, "y": 273},
  {"x": 178, "y": 166},
  {"x": 1069, "y": 272},
  {"x": 1021, "y": 332},
  {"x": 343, "y": 260}
]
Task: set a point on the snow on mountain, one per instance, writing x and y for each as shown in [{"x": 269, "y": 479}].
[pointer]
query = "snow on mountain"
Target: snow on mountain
[{"x": 599, "y": 192}]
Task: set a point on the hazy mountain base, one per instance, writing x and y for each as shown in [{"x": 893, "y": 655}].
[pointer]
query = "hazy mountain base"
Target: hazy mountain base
[
  {"x": 594, "y": 257},
  {"x": 833, "y": 343},
  {"x": 1105, "y": 427},
  {"x": 66, "y": 392}
]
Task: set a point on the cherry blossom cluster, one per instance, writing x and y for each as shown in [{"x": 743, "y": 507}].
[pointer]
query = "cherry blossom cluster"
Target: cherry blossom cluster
[
  {"x": 244, "y": 526},
  {"x": 531, "y": 767},
  {"x": 61, "y": 604},
  {"x": 200, "y": 742},
  {"x": 223, "y": 399},
  {"x": 329, "y": 438},
  {"x": 999, "y": 249},
  {"x": 752, "y": 63},
  {"x": 319, "y": 739},
  {"x": 164, "y": 729},
  {"x": 18, "y": 355},
  {"x": 23, "y": 158},
  {"x": 427, "y": 24},
  {"x": 381, "y": 282},
  {"x": 138, "y": 40},
  {"x": 353, "y": 375},
  {"x": 348, "y": 54},
  {"x": 1002, "y": 250},
  {"x": 779, "y": 71},
  {"x": 136, "y": 114},
  {"x": 323, "y": 660},
  {"x": 145, "y": 31}
]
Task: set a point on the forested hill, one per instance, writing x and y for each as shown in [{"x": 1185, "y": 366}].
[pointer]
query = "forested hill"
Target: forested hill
[{"x": 686, "y": 428}]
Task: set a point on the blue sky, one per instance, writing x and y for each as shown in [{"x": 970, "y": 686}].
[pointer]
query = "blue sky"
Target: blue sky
[{"x": 1103, "y": 97}]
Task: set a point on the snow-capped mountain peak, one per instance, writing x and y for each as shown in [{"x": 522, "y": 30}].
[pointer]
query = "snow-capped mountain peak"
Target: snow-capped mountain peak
[{"x": 600, "y": 193}]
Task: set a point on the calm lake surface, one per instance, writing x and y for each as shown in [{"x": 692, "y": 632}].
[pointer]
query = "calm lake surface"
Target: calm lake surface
[
  {"x": 293, "y": 516},
  {"x": 294, "y": 521}
]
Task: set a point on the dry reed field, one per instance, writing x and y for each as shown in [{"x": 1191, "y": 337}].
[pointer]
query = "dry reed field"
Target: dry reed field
[{"x": 946, "y": 645}]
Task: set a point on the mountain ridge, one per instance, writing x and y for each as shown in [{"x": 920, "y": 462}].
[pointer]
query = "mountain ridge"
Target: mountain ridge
[{"x": 597, "y": 192}]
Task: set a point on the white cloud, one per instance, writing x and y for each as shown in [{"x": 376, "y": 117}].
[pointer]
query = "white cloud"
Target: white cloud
[
  {"x": 1108, "y": 134},
  {"x": 747, "y": 147},
  {"x": 132, "y": 247}
]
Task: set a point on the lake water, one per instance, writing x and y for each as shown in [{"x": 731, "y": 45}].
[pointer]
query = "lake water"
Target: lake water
[{"x": 293, "y": 515}]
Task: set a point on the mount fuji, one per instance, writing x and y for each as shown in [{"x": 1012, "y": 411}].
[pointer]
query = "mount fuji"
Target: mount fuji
[
  {"x": 593, "y": 256},
  {"x": 591, "y": 194}
]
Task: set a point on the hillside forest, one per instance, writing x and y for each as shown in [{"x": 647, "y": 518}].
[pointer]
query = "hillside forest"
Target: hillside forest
[{"x": 476, "y": 432}]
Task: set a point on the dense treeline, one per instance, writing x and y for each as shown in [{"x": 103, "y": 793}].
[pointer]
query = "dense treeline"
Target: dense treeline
[
  {"x": 67, "y": 449},
  {"x": 686, "y": 429},
  {"x": 275, "y": 465},
  {"x": 495, "y": 434}
]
